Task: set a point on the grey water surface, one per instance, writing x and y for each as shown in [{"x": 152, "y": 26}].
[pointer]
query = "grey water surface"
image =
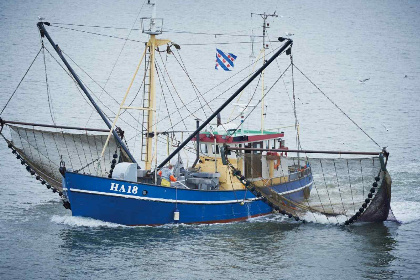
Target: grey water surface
[{"x": 365, "y": 55}]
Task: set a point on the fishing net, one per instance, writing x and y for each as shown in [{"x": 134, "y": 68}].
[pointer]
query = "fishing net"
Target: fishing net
[
  {"x": 42, "y": 151},
  {"x": 334, "y": 190}
]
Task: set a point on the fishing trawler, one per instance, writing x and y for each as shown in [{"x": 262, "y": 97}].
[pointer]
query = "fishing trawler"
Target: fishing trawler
[{"x": 237, "y": 174}]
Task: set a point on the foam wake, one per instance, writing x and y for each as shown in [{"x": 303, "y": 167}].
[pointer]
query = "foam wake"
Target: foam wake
[{"x": 82, "y": 222}]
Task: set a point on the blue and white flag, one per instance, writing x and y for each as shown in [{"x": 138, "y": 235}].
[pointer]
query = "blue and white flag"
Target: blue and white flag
[{"x": 224, "y": 61}]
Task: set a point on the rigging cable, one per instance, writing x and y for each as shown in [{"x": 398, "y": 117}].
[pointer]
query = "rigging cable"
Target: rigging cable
[
  {"x": 329, "y": 99},
  {"x": 99, "y": 100},
  {"x": 71, "y": 77},
  {"x": 138, "y": 41},
  {"x": 164, "y": 98},
  {"x": 118, "y": 57},
  {"x": 265, "y": 94},
  {"x": 278, "y": 66},
  {"x": 183, "y": 67},
  {"x": 103, "y": 89},
  {"x": 10, "y": 98},
  {"x": 218, "y": 96},
  {"x": 175, "y": 103},
  {"x": 195, "y": 88},
  {"x": 48, "y": 87},
  {"x": 224, "y": 81},
  {"x": 210, "y": 90}
]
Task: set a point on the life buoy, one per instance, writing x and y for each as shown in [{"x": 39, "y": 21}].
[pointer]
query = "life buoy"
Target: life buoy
[{"x": 276, "y": 166}]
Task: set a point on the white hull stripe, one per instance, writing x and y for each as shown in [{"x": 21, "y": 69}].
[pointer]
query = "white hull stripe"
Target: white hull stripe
[
  {"x": 163, "y": 199},
  {"x": 181, "y": 201}
]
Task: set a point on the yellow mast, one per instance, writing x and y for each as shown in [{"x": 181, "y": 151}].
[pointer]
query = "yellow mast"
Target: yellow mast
[
  {"x": 152, "y": 45},
  {"x": 152, "y": 99}
]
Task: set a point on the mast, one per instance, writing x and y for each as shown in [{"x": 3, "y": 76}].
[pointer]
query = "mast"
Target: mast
[
  {"x": 266, "y": 25},
  {"x": 44, "y": 32},
  {"x": 153, "y": 27},
  {"x": 152, "y": 100}
]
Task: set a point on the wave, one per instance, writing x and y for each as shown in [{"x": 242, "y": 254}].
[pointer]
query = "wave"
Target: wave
[{"x": 82, "y": 222}]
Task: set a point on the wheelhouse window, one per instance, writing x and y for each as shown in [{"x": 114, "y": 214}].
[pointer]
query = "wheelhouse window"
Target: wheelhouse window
[
  {"x": 204, "y": 148},
  {"x": 215, "y": 150},
  {"x": 257, "y": 145}
]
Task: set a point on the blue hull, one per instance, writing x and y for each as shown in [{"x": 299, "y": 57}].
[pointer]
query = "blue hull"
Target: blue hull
[{"x": 133, "y": 204}]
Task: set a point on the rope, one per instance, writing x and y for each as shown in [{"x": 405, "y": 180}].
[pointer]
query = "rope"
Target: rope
[
  {"x": 319, "y": 197},
  {"x": 10, "y": 98},
  {"x": 361, "y": 172},
  {"x": 138, "y": 41},
  {"x": 326, "y": 188},
  {"x": 329, "y": 99},
  {"x": 339, "y": 190},
  {"x": 196, "y": 91},
  {"x": 216, "y": 86},
  {"x": 170, "y": 80},
  {"x": 351, "y": 190},
  {"x": 118, "y": 57},
  {"x": 36, "y": 143},
  {"x": 48, "y": 87},
  {"x": 166, "y": 103},
  {"x": 249, "y": 102},
  {"x": 67, "y": 148},
  {"x": 82, "y": 149},
  {"x": 168, "y": 30},
  {"x": 175, "y": 103},
  {"x": 98, "y": 98},
  {"x": 265, "y": 94}
]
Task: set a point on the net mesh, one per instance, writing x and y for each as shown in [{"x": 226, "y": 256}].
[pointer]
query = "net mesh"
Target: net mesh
[
  {"x": 335, "y": 190},
  {"x": 43, "y": 150}
]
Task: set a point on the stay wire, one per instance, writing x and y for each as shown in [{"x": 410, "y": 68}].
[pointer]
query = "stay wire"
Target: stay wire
[
  {"x": 71, "y": 77},
  {"x": 170, "y": 80},
  {"x": 329, "y": 99},
  {"x": 46, "y": 82},
  {"x": 168, "y": 30},
  {"x": 118, "y": 57},
  {"x": 192, "y": 83},
  {"x": 278, "y": 66},
  {"x": 224, "y": 81},
  {"x": 164, "y": 99},
  {"x": 210, "y": 90},
  {"x": 170, "y": 93},
  {"x": 195, "y": 88},
  {"x": 103, "y": 89},
  {"x": 250, "y": 99},
  {"x": 10, "y": 98},
  {"x": 93, "y": 94},
  {"x": 138, "y": 41},
  {"x": 265, "y": 94}
]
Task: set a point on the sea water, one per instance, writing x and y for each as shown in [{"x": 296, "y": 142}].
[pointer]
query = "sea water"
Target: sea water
[{"x": 365, "y": 55}]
